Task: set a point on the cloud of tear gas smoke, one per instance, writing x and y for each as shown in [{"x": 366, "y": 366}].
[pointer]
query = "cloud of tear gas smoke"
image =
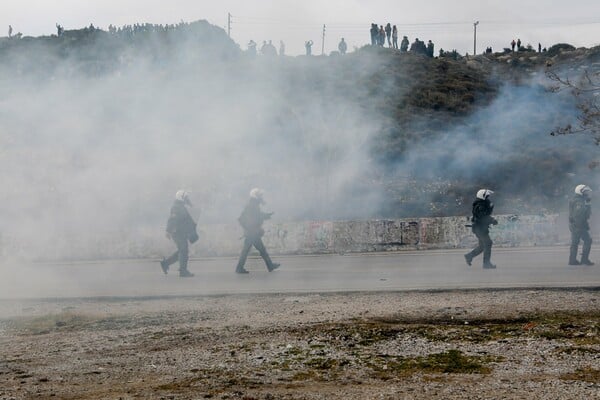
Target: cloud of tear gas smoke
[
  {"x": 105, "y": 152},
  {"x": 100, "y": 140},
  {"x": 505, "y": 146}
]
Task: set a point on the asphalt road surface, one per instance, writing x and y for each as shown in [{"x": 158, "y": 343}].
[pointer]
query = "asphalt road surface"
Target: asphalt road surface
[{"x": 444, "y": 269}]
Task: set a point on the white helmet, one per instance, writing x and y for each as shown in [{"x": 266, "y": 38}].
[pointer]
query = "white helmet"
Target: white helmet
[
  {"x": 484, "y": 194},
  {"x": 582, "y": 190},
  {"x": 183, "y": 195},
  {"x": 257, "y": 194}
]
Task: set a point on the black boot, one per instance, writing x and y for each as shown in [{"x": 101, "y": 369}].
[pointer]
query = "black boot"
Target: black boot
[
  {"x": 586, "y": 262},
  {"x": 468, "y": 258},
  {"x": 573, "y": 254},
  {"x": 488, "y": 265},
  {"x": 274, "y": 266},
  {"x": 184, "y": 273},
  {"x": 241, "y": 271},
  {"x": 165, "y": 266}
]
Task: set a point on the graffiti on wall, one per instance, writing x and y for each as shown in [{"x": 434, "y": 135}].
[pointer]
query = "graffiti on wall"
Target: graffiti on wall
[{"x": 295, "y": 238}]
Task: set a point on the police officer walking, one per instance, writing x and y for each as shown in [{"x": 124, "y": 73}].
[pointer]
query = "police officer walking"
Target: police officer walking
[
  {"x": 251, "y": 221},
  {"x": 181, "y": 228},
  {"x": 580, "y": 209},
  {"x": 482, "y": 219}
]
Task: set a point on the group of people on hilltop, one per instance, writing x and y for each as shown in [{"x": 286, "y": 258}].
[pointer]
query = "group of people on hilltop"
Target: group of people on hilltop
[
  {"x": 126, "y": 30},
  {"x": 419, "y": 47},
  {"x": 519, "y": 47},
  {"x": 131, "y": 30},
  {"x": 267, "y": 49},
  {"x": 380, "y": 35},
  {"x": 18, "y": 35}
]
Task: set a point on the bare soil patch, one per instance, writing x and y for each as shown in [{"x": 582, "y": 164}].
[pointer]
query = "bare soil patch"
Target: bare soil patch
[{"x": 509, "y": 344}]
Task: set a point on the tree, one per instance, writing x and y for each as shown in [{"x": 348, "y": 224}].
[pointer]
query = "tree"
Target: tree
[{"x": 586, "y": 91}]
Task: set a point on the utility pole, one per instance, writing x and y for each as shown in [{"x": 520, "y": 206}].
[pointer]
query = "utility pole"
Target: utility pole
[
  {"x": 229, "y": 24},
  {"x": 475, "y": 37},
  {"x": 323, "y": 41}
]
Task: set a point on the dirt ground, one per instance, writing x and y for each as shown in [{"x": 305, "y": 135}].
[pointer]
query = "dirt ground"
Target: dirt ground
[{"x": 500, "y": 344}]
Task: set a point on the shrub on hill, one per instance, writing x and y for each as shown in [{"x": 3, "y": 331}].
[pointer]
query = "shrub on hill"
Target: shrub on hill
[{"x": 558, "y": 48}]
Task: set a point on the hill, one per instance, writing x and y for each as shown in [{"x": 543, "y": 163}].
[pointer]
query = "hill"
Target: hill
[
  {"x": 94, "y": 52},
  {"x": 374, "y": 133}
]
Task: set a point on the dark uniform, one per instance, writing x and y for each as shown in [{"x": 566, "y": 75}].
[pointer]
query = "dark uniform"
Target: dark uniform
[
  {"x": 580, "y": 211},
  {"x": 182, "y": 229},
  {"x": 430, "y": 49},
  {"x": 342, "y": 47},
  {"x": 251, "y": 220},
  {"x": 482, "y": 219},
  {"x": 404, "y": 44}
]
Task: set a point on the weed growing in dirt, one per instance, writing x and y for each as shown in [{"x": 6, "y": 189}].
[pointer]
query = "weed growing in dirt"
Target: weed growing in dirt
[
  {"x": 449, "y": 362},
  {"x": 47, "y": 323},
  {"x": 587, "y": 374}
]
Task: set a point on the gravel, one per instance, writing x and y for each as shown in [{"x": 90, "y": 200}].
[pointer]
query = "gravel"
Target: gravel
[{"x": 539, "y": 344}]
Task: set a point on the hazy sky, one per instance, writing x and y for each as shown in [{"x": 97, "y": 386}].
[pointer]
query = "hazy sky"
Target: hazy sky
[{"x": 448, "y": 24}]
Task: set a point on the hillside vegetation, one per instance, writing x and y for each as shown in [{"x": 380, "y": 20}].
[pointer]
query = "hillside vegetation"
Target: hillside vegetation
[{"x": 438, "y": 128}]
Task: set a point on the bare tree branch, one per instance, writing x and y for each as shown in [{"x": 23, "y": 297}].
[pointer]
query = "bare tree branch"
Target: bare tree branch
[{"x": 586, "y": 91}]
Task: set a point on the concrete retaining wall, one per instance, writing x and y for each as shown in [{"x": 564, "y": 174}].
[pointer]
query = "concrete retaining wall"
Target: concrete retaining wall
[{"x": 310, "y": 237}]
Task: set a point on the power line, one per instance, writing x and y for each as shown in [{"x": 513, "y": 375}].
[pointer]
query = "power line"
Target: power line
[
  {"x": 279, "y": 21},
  {"x": 434, "y": 29}
]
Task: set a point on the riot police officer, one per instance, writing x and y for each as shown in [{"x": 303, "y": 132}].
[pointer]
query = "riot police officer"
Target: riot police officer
[
  {"x": 481, "y": 221},
  {"x": 181, "y": 228},
  {"x": 580, "y": 210},
  {"x": 251, "y": 221}
]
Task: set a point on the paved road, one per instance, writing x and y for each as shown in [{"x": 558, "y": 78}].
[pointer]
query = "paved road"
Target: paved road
[{"x": 524, "y": 267}]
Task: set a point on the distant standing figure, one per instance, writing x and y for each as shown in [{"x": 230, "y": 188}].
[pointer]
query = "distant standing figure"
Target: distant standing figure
[
  {"x": 539, "y": 47},
  {"x": 59, "y": 30},
  {"x": 512, "y": 45},
  {"x": 404, "y": 44},
  {"x": 308, "y": 46},
  {"x": 381, "y": 36},
  {"x": 430, "y": 49},
  {"x": 270, "y": 49},
  {"x": 374, "y": 34},
  {"x": 518, "y": 44},
  {"x": 342, "y": 46},
  {"x": 580, "y": 210},
  {"x": 181, "y": 228},
  {"x": 251, "y": 221},
  {"x": 281, "y": 48},
  {"x": 481, "y": 221},
  {"x": 252, "y": 47},
  {"x": 418, "y": 47},
  {"x": 10, "y": 31},
  {"x": 395, "y": 37},
  {"x": 388, "y": 34}
]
